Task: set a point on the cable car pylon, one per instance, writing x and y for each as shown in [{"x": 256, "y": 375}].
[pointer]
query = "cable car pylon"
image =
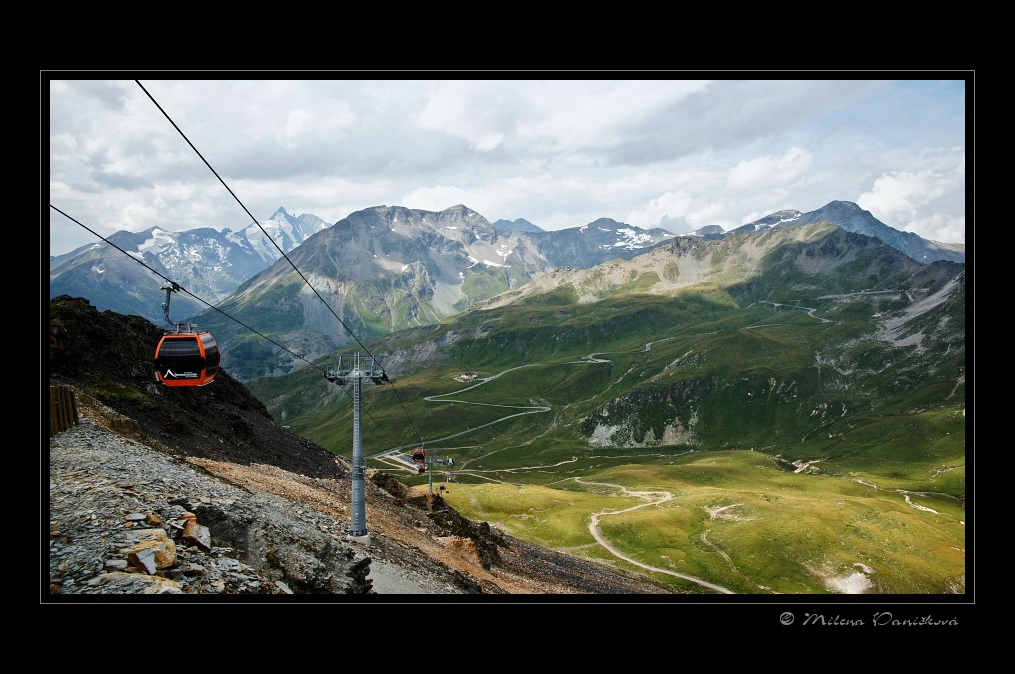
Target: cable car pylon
[
  {"x": 346, "y": 368},
  {"x": 430, "y": 463}
]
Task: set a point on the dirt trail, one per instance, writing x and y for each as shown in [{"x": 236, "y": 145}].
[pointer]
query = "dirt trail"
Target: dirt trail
[{"x": 651, "y": 498}]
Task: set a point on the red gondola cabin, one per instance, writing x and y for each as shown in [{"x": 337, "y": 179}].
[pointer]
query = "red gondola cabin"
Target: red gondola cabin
[
  {"x": 419, "y": 458},
  {"x": 186, "y": 359}
]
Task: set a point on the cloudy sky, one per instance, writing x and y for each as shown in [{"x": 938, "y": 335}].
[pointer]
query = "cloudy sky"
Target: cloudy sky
[{"x": 674, "y": 153}]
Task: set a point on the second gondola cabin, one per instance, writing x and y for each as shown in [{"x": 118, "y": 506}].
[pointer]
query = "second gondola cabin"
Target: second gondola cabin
[
  {"x": 186, "y": 359},
  {"x": 419, "y": 458}
]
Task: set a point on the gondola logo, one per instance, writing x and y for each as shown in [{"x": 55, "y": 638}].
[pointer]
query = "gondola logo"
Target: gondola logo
[{"x": 186, "y": 375}]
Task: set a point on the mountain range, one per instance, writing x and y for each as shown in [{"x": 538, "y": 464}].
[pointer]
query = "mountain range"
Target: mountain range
[
  {"x": 209, "y": 263},
  {"x": 390, "y": 268},
  {"x": 854, "y": 219},
  {"x": 378, "y": 270},
  {"x": 871, "y": 298}
]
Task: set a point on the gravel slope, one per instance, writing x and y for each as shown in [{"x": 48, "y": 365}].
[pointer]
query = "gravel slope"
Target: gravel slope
[{"x": 274, "y": 532}]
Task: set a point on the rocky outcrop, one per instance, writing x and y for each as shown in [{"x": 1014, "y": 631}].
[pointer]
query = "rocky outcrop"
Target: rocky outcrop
[{"x": 127, "y": 519}]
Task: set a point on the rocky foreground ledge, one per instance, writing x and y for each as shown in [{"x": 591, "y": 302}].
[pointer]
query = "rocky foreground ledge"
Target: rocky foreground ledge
[
  {"x": 128, "y": 519},
  {"x": 124, "y": 519}
]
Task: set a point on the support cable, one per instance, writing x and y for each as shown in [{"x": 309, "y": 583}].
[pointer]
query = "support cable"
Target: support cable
[{"x": 282, "y": 252}]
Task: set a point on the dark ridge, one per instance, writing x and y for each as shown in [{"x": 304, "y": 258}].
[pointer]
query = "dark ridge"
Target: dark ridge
[{"x": 109, "y": 356}]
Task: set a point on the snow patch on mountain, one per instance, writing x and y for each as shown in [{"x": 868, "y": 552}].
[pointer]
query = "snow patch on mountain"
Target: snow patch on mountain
[
  {"x": 161, "y": 241},
  {"x": 632, "y": 239}
]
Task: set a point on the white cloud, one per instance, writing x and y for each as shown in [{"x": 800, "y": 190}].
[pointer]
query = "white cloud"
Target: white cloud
[
  {"x": 558, "y": 117},
  {"x": 558, "y": 153},
  {"x": 902, "y": 197},
  {"x": 437, "y": 198},
  {"x": 295, "y": 124},
  {"x": 771, "y": 170},
  {"x": 679, "y": 212}
]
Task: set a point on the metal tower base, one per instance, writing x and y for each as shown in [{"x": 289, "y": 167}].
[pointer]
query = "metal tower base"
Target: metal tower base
[{"x": 364, "y": 539}]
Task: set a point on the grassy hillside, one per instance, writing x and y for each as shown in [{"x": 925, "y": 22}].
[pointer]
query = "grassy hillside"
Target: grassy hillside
[{"x": 736, "y": 518}]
